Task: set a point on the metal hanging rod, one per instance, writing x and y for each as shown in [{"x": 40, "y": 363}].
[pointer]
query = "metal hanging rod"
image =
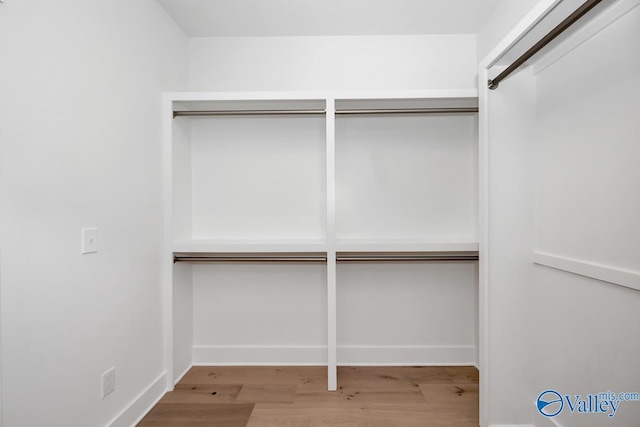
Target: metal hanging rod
[
  {"x": 321, "y": 258},
  {"x": 251, "y": 257},
  {"x": 559, "y": 29},
  {"x": 453, "y": 110},
  {"x": 406, "y": 257},
  {"x": 247, "y": 113}
]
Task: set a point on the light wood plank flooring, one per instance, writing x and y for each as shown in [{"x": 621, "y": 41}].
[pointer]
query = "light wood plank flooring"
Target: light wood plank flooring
[{"x": 297, "y": 397}]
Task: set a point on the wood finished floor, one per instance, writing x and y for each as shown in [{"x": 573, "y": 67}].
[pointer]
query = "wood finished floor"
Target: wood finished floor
[{"x": 297, "y": 397}]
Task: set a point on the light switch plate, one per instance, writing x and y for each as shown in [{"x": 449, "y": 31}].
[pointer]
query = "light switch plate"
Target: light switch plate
[{"x": 89, "y": 240}]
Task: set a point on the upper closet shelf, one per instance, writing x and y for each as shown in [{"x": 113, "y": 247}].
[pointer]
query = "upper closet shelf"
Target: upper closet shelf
[
  {"x": 405, "y": 246},
  {"x": 249, "y": 246},
  {"x": 239, "y": 106},
  {"x": 315, "y": 101},
  {"x": 342, "y": 245},
  {"x": 465, "y": 104}
]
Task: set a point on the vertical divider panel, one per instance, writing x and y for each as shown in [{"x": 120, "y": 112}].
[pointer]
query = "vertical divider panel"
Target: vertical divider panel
[
  {"x": 180, "y": 228},
  {"x": 483, "y": 244},
  {"x": 167, "y": 258},
  {"x": 167, "y": 283},
  {"x": 332, "y": 370}
]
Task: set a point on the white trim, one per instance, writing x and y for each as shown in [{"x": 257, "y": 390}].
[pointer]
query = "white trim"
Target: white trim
[
  {"x": 320, "y": 96},
  {"x": 483, "y": 245},
  {"x": 142, "y": 404},
  {"x": 406, "y": 355},
  {"x": 167, "y": 255},
  {"x": 421, "y": 364},
  {"x": 600, "y": 22},
  {"x": 511, "y": 425},
  {"x": 181, "y": 376},
  {"x": 332, "y": 304},
  {"x": 346, "y": 355},
  {"x": 547, "y": 422},
  {"x": 223, "y": 355},
  {"x": 617, "y": 276},
  {"x": 542, "y": 421},
  {"x": 259, "y": 364}
]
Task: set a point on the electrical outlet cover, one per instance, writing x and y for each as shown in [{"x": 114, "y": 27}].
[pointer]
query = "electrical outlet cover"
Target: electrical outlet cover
[{"x": 108, "y": 382}]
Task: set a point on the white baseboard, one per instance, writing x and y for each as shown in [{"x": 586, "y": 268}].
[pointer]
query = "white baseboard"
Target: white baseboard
[
  {"x": 542, "y": 421},
  {"x": 400, "y": 355},
  {"x": 142, "y": 404},
  {"x": 547, "y": 422},
  {"x": 511, "y": 425},
  {"x": 347, "y": 355},
  {"x": 259, "y": 356},
  {"x": 179, "y": 378}
]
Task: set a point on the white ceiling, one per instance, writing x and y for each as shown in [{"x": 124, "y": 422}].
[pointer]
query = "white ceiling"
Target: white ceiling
[{"x": 220, "y": 18}]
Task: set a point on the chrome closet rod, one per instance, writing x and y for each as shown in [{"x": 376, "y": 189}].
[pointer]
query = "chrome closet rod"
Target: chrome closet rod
[
  {"x": 247, "y": 113},
  {"x": 559, "y": 29},
  {"x": 452, "y": 110},
  {"x": 245, "y": 259},
  {"x": 370, "y": 111},
  {"x": 405, "y": 258}
]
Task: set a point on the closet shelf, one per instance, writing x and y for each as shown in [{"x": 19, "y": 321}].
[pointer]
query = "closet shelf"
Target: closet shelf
[
  {"x": 344, "y": 245},
  {"x": 249, "y": 246},
  {"x": 204, "y": 246},
  {"x": 218, "y": 215}
]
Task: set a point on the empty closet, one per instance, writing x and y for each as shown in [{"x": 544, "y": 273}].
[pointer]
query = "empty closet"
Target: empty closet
[{"x": 321, "y": 229}]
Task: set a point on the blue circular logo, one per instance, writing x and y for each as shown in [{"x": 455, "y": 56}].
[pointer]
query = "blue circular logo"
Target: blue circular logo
[{"x": 550, "y": 403}]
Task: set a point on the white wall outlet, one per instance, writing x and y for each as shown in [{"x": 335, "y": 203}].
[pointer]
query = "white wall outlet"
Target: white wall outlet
[
  {"x": 108, "y": 382},
  {"x": 89, "y": 240}
]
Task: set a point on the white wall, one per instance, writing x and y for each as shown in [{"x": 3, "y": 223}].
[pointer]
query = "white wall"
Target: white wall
[
  {"x": 260, "y": 314},
  {"x": 80, "y": 110},
  {"x": 337, "y": 63},
  {"x": 563, "y": 150},
  {"x": 407, "y": 177},
  {"x": 407, "y": 313},
  {"x": 268, "y": 178},
  {"x": 588, "y": 149},
  {"x": 588, "y": 209}
]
